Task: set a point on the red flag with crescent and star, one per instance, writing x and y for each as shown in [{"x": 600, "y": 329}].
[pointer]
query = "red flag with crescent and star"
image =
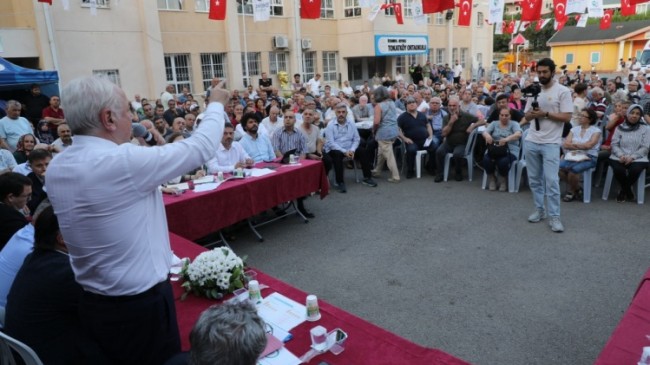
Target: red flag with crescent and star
[
  {"x": 465, "y": 16},
  {"x": 531, "y": 10},
  {"x": 310, "y": 9},
  {"x": 436, "y": 6},
  {"x": 560, "y": 11},
  {"x": 45, "y": 1},
  {"x": 397, "y": 8},
  {"x": 217, "y": 10},
  {"x": 627, "y": 8},
  {"x": 606, "y": 20}
]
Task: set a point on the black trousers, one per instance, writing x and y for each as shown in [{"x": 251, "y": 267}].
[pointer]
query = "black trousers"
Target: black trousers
[
  {"x": 138, "y": 329},
  {"x": 627, "y": 175},
  {"x": 361, "y": 154}
]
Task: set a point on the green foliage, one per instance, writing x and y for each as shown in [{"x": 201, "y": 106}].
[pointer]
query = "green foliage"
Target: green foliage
[{"x": 538, "y": 39}]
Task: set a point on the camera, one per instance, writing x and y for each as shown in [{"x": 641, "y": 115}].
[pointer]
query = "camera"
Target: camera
[{"x": 533, "y": 90}]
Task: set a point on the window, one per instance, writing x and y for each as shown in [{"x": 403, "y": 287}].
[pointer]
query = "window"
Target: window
[
  {"x": 330, "y": 70},
  {"x": 440, "y": 56},
  {"x": 479, "y": 19},
  {"x": 170, "y": 5},
  {"x": 568, "y": 58},
  {"x": 352, "y": 8},
  {"x": 178, "y": 70},
  {"x": 277, "y": 9},
  {"x": 431, "y": 55},
  {"x": 308, "y": 65},
  {"x": 412, "y": 59},
  {"x": 99, "y": 3},
  {"x": 327, "y": 9},
  {"x": 201, "y": 6},
  {"x": 278, "y": 62},
  {"x": 454, "y": 55},
  {"x": 408, "y": 8},
  {"x": 112, "y": 75},
  {"x": 254, "y": 65},
  {"x": 400, "y": 64},
  {"x": 642, "y": 8},
  {"x": 595, "y": 57},
  {"x": 463, "y": 56},
  {"x": 389, "y": 11},
  {"x": 212, "y": 65},
  {"x": 439, "y": 19},
  {"x": 248, "y": 8}
]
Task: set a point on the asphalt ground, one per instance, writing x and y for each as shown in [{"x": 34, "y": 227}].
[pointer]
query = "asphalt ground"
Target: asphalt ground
[{"x": 458, "y": 268}]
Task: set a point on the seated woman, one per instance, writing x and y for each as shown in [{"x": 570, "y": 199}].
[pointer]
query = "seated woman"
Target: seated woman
[
  {"x": 581, "y": 152},
  {"x": 24, "y": 147},
  {"x": 630, "y": 145},
  {"x": 502, "y": 132}
]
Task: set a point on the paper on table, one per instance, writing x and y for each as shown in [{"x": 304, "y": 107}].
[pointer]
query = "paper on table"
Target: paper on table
[
  {"x": 272, "y": 345},
  {"x": 279, "y": 333},
  {"x": 206, "y": 187},
  {"x": 283, "y": 357},
  {"x": 181, "y": 186},
  {"x": 427, "y": 142},
  {"x": 282, "y": 311},
  {"x": 261, "y": 172},
  {"x": 204, "y": 180}
]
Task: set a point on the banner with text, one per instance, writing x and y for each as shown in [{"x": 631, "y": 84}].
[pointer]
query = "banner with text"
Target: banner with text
[{"x": 397, "y": 45}]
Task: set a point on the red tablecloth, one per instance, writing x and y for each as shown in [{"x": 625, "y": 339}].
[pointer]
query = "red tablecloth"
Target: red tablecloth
[
  {"x": 366, "y": 344},
  {"x": 625, "y": 346},
  {"x": 194, "y": 215}
]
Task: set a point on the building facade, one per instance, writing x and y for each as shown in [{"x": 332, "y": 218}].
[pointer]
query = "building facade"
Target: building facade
[{"x": 144, "y": 45}]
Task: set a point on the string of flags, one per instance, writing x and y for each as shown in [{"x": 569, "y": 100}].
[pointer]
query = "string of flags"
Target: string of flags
[{"x": 530, "y": 11}]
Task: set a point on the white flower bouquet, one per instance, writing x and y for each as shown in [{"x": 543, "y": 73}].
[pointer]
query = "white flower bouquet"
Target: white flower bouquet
[{"x": 213, "y": 274}]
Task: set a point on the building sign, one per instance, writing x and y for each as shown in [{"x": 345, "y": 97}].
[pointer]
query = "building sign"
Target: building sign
[{"x": 397, "y": 45}]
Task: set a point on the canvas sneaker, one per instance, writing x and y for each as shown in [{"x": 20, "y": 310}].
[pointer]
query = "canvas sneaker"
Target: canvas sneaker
[
  {"x": 537, "y": 216},
  {"x": 556, "y": 225}
]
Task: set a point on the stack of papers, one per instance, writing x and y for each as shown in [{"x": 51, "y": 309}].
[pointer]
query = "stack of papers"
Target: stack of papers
[
  {"x": 282, "y": 314},
  {"x": 255, "y": 172}
]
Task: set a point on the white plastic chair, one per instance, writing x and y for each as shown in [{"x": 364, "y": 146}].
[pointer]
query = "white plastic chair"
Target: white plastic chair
[
  {"x": 640, "y": 186},
  {"x": 511, "y": 178},
  {"x": 419, "y": 157},
  {"x": 8, "y": 343},
  {"x": 469, "y": 156},
  {"x": 586, "y": 185},
  {"x": 521, "y": 163}
]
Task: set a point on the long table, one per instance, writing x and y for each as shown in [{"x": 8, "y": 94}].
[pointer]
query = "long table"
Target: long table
[
  {"x": 366, "y": 344},
  {"x": 625, "y": 346},
  {"x": 195, "y": 215}
]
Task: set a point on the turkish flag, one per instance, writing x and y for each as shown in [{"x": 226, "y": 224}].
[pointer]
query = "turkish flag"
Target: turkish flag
[
  {"x": 559, "y": 24},
  {"x": 217, "y": 10},
  {"x": 531, "y": 10},
  {"x": 436, "y": 6},
  {"x": 465, "y": 16},
  {"x": 627, "y": 8},
  {"x": 45, "y": 1},
  {"x": 510, "y": 28},
  {"x": 398, "y": 13},
  {"x": 560, "y": 10},
  {"x": 606, "y": 20},
  {"x": 310, "y": 9}
]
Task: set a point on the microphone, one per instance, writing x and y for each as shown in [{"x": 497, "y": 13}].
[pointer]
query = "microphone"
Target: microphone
[{"x": 140, "y": 131}]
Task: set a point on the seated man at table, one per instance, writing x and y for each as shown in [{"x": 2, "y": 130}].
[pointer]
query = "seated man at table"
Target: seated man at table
[
  {"x": 363, "y": 111},
  {"x": 225, "y": 334},
  {"x": 414, "y": 130},
  {"x": 15, "y": 191},
  {"x": 342, "y": 141},
  {"x": 291, "y": 138},
  {"x": 258, "y": 146},
  {"x": 230, "y": 155}
]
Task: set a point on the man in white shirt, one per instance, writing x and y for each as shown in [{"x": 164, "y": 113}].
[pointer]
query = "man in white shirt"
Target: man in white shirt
[
  {"x": 273, "y": 122},
  {"x": 65, "y": 137},
  {"x": 230, "y": 155},
  {"x": 114, "y": 221},
  {"x": 313, "y": 85},
  {"x": 13, "y": 126},
  {"x": 458, "y": 72},
  {"x": 167, "y": 95}
]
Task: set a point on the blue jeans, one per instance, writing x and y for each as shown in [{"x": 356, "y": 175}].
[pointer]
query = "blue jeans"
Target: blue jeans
[
  {"x": 578, "y": 167},
  {"x": 543, "y": 165}
]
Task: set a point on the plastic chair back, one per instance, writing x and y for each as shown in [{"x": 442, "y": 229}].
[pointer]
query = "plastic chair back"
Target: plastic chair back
[{"x": 8, "y": 343}]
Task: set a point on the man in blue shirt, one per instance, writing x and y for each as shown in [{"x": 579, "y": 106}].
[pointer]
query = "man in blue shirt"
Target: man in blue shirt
[
  {"x": 342, "y": 141},
  {"x": 258, "y": 146}
]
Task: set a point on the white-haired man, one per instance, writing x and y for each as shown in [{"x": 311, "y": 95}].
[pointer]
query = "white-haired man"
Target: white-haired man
[{"x": 114, "y": 219}]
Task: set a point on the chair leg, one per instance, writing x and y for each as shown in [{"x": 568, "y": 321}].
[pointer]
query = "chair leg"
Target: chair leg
[
  {"x": 512, "y": 188},
  {"x": 586, "y": 185},
  {"x": 640, "y": 188},
  {"x": 608, "y": 182},
  {"x": 484, "y": 182},
  {"x": 470, "y": 167},
  {"x": 446, "y": 168}
]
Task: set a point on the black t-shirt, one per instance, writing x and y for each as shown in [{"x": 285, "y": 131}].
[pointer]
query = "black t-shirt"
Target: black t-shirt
[
  {"x": 515, "y": 115},
  {"x": 264, "y": 83},
  {"x": 413, "y": 128}
]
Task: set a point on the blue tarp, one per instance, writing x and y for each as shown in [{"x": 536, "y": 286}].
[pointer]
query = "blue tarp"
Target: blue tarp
[{"x": 16, "y": 77}]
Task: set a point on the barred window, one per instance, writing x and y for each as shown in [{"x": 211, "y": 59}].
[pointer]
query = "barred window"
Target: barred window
[
  {"x": 170, "y": 5},
  {"x": 278, "y": 61},
  {"x": 178, "y": 70},
  {"x": 112, "y": 75},
  {"x": 254, "y": 65},
  {"x": 330, "y": 69},
  {"x": 212, "y": 65}
]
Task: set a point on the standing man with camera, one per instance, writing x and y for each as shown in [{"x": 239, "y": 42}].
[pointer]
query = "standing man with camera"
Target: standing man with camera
[{"x": 543, "y": 143}]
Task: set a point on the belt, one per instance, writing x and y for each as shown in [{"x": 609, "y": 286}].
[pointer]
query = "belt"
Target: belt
[{"x": 125, "y": 298}]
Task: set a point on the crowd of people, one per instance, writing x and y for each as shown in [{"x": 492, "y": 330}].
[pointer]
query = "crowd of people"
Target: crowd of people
[{"x": 72, "y": 225}]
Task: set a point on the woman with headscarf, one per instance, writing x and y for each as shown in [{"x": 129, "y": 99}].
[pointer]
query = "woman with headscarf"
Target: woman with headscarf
[{"x": 630, "y": 145}]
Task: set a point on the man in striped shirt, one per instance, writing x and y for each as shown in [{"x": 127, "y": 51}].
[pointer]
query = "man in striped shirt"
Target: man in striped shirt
[
  {"x": 598, "y": 101},
  {"x": 289, "y": 137}
]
